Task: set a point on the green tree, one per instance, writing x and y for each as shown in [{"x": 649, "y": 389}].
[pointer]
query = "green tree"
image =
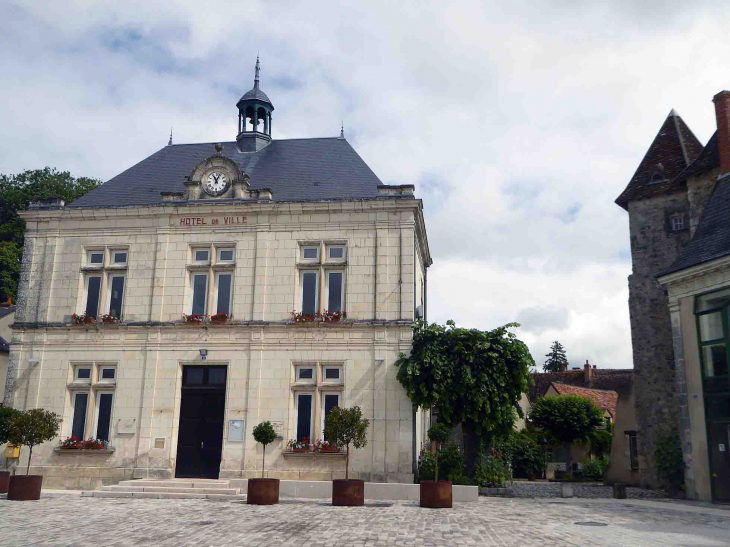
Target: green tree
[
  {"x": 556, "y": 360},
  {"x": 439, "y": 434},
  {"x": 670, "y": 461},
  {"x": 600, "y": 442},
  {"x": 16, "y": 192},
  {"x": 31, "y": 428},
  {"x": 346, "y": 426},
  {"x": 567, "y": 419},
  {"x": 470, "y": 377},
  {"x": 264, "y": 433}
]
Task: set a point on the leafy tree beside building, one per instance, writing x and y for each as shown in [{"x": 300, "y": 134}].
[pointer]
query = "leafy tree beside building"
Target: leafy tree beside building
[
  {"x": 556, "y": 360},
  {"x": 16, "y": 192}
]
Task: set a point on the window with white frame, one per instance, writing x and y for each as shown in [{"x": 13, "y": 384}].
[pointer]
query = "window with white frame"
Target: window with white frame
[
  {"x": 199, "y": 299},
  {"x": 335, "y": 253},
  {"x": 116, "y": 295},
  {"x": 309, "y": 283},
  {"x": 304, "y": 403},
  {"x": 104, "y": 281},
  {"x": 329, "y": 401},
  {"x": 310, "y": 253},
  {"x": 226, "y": 256},
  {"x": 92, "y": 406},
  {"x": 119, "y": 258},
  {"x": 93, "y": 295},
  {"x": 305, "y": 375},
  {"x": 224, "y": 292},
  {"x": 331, "y": 375},
  {"x": 201, "y": 256},
  {"x": 95, "y": 258},
  {"x": 335, "y": 287},
  {"x": 677, "y": 223}
]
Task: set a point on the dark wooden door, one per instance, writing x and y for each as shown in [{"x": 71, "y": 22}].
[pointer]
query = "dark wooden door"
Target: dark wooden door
[
  {"x": 720, "y": 458},
  {"x": 200, "y": 437}
]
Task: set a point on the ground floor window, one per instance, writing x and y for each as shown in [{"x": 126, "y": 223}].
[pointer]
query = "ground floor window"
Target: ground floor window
[
  {"x": 317, "y": 389},
  {"x": 92, "y": 388},
  {"x": 305, "y": 416},
  {"x": 633, "y": 450}
]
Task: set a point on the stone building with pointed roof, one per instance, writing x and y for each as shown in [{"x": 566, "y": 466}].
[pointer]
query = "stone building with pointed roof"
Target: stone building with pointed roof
[
  {"x": 211, "y": 287},
  {"x": 679, "y": 223}
]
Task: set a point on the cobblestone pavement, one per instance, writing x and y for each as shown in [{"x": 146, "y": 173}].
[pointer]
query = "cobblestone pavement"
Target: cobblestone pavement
[
  {"x": 524, "y": 489},
  {"x": 71, "y": 520}
]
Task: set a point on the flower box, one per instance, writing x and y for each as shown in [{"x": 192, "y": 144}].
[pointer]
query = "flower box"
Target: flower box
[
  {"x": 83, "y": 319},
  {"x": 109, "y": 319},
  {"x": 329, "y": 449},
  {"x": 72, "y": 443},
  {"x": 219, "y": 318},
  {"x": 195, "y": 318},
  {"x": 307, "y": 449}
]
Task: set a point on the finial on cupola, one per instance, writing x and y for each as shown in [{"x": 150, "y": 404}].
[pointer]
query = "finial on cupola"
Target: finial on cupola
[
  {"x": 256, "y": 77},
  {"x": 342, "y": 130},
  {"x": 169, "y": 143}
]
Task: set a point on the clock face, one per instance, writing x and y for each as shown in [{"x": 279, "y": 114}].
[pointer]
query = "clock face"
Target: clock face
[{"x": 216, "y": 183}]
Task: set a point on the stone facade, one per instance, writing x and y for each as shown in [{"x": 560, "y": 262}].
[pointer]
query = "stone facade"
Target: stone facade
[{"x": 385, "y": 284}]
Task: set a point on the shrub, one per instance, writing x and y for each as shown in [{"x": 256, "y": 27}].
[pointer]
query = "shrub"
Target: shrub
[
  {"x": 31, "y": 428},
  {"x": 492, "y": 470},
  {"x": 452, "y": 464},
  {"x": 670, "y": 463},
  {"x": 523, "y": 453},
  {"x": 264, "y": 433},
  {"x": 594, "y": 469}
]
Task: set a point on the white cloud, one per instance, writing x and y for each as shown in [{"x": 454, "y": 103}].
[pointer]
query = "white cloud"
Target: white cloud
[{"x": 519, "y": 123}]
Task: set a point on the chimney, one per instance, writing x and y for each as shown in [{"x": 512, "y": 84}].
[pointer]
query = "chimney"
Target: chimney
[
  {"x": 722, "y": 113},
  {"x": 587, "y": 374}
]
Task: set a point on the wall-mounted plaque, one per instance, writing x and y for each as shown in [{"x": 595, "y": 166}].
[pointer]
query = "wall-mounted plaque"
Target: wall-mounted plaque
[
  {"x": 236, "y": 431},
  {"x": 127, "y": 426},
  {"x": 279, "y": 428},
  {"x": 160, "y": 442}
]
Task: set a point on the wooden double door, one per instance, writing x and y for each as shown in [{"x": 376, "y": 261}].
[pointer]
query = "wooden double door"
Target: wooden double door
[{"x": 202, "y": 411}]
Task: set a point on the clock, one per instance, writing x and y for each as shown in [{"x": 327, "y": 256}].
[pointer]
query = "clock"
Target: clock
[{"x": 216, "y": 183}]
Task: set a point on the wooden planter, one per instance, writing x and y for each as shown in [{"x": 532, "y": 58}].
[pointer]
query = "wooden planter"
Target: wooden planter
[
  {"x": 4, "y": 481},
  {"x": 25, "y": 487},
  {"x": 436, "y": 495},
  {"x": 219, "y": 321},
  {"x": 263, "y": 491},
  {"x": 348, "y": 492},
  {"x": 330, "y": 450},
  {"x": 308, "y": 449}
]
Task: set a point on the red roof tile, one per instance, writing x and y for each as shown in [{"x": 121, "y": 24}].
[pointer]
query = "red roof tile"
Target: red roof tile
[{"x": 604, "y": 399}]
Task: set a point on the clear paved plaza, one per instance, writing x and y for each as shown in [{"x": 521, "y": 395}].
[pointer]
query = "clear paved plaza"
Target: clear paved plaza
[{"x": 73, "y": 520}]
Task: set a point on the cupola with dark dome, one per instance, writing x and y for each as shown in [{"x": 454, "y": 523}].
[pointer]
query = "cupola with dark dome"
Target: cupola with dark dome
[{"x": 254, "y": 117}]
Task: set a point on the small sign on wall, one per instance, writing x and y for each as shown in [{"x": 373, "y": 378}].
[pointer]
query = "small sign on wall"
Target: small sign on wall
[
  {"x": 236, "y": 431},
  {"x": 279, "y": 428},
  {"x": 722, "y": 448},
  {"x": 160, "y": 442},
  {"x": 127, "y": 426}
]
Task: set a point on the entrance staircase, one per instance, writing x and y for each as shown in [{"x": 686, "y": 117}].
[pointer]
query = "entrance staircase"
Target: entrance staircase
[{"x": 211, "y": 489}]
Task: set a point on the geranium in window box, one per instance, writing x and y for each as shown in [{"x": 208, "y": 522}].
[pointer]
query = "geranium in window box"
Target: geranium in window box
[
  {"x": 219, "y": 318},
  {"x": 326, "y": 446},
  {"x": 109, "y": 319},
  {"x": 301, "y": 317},
  {"x": 334, "y": 316},
  {"x": 299, "y": 446},
  {"x": 81, "y": 319},
  {"x": 72, "y": 443},
  {"x": 195, "y": 318}
]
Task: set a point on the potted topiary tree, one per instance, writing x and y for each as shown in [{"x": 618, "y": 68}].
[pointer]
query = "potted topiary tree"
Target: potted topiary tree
[
  {"x": 5, "y": 415},
  {"x": 30, "y": 428},
  {"x": 263, "y": 491},
  {"x": 345, "y": 427},
  {"x": 437, "y": 494}
]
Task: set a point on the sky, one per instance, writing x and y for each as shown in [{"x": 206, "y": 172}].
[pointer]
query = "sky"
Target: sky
[{"x": 519, "y": 123}]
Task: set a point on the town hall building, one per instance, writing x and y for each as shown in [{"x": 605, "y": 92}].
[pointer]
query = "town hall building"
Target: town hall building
[{"x": 211, "y": 287}]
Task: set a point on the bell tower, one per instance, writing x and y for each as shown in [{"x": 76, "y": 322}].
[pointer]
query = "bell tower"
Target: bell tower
[{"x": 254, "y": 117}]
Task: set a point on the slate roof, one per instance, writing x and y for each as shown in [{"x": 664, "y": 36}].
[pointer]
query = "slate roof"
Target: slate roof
[
  {"x": 4, "y": 346},
  {"x": 708, "y": 159},
  {"x": 712, "y": 238},
  {"x": 257, "y": 94},
  {"x": 675, "y": 147},
  {"x": 604, "y": 399},
  {"x": 294, "y": 169}
]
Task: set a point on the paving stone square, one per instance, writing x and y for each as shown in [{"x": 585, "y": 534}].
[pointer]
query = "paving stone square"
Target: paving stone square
[{"x": 77, "y": 521}]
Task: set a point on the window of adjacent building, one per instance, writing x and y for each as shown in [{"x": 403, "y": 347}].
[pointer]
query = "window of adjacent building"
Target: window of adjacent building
[
  {"x": 633, "y": 451},
  {"x": 116, "y": 295},
  {"x": 93, "y": 292},
  {"x": 329, "y": 401},
  {"x": 224, "y": 284},
  {"x": 304, "y": 416},
  {"x": 305, "y": 375},
  {"x": 119, "y": 258},
  {"x": 103, "y": 420},
  {"x": 676, "y": 223},
  {"x": 201, "y": 255},
  {"x": 335, "y": 291},
  {"x": 310, "y": 291},
  {"x": 336, "y": 253},
  {"x": 713, "y": 313},
  {"x": 96, "y": 258},
  {"x": 200, "y": 294},
  {"x": 331, "y": 375},
  {"x": 225, "y": 255},
  {"x": 310, "y": 254}
]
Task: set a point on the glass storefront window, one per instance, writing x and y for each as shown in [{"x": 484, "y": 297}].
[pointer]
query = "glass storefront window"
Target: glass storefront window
[
  {"x": 711, "y": 326},
  {"x": 715, "y": 360},
  {"x": 712, "y": 301}
]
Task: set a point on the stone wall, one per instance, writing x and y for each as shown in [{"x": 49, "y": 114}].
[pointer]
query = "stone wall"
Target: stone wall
[{"x": 653, "y": 249}]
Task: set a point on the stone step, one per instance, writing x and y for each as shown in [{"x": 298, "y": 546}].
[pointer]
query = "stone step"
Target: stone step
[
  {"x": 197, "y": 483},
  {"x": 169, "y": 490},
  {"x": 161, "y": 495}
]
